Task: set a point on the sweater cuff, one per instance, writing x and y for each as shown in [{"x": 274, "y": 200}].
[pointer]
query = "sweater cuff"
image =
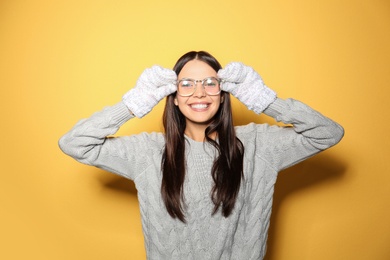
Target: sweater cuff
[
  {"x": 120, "y": 113},
  {"x": 276, "y": 108}
]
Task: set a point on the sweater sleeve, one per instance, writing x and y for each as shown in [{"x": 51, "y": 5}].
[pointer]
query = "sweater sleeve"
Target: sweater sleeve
[
  {"x": 89, "y": 142},
  {"x": 311, "y": 132}
]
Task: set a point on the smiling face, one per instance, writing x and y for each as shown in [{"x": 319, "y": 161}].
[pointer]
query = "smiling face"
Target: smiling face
[{"x": 200, "y": 108}]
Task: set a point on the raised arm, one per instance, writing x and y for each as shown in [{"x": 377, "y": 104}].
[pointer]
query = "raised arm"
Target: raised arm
[
  {"x": 88, "y": 141},
  {"x": 311, "y": 132}
]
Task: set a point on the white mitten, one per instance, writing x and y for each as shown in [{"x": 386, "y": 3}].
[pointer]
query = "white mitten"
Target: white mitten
[
  {"x": 245, "y": 83},
  {"x": 154, "y": 84}
]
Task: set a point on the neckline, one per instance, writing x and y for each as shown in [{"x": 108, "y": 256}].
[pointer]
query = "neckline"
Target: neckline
[{"x": 192, "y": 140}]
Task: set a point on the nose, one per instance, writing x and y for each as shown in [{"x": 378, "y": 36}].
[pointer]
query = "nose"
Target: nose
[{"x": 199, "y": 90}]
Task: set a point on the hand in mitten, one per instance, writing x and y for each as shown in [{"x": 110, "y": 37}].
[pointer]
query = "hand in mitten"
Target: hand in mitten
[
  {"x": 245, "y": 83},
  {"x": 154, "y": 84}
]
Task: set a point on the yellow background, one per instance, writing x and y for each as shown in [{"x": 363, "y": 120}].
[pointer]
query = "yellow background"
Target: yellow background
[{"x": 62, "y": 60}]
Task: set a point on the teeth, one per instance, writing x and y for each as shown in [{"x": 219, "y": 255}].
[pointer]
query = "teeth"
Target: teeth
[{"x": 199, "y": 106}]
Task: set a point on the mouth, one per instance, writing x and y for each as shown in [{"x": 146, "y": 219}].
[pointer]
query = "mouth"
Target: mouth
[{"x": 199, "y": 106}]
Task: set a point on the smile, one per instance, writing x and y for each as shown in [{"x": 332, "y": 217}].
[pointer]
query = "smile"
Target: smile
[{"x": 199, "y": 106}]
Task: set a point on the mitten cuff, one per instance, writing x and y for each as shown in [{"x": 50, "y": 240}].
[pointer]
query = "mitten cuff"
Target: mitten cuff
[
  {"x": 135, "y": 104},
  {"x": 260, "y": 99}
]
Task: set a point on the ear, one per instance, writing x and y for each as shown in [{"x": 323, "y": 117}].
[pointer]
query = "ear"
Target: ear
[
  {"x": 175, "y": 101},
  {"x": 222, "y": 99}
]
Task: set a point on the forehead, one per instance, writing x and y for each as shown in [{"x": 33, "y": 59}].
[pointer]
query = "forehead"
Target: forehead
[{"x": 197, "y": 69}]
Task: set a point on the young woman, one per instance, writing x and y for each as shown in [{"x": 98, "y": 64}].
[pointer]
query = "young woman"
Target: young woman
[{"x": 204, "y": 187}]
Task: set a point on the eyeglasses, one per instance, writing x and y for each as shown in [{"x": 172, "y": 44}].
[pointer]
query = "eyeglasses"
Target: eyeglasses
[{"x": 187, "y": 87}]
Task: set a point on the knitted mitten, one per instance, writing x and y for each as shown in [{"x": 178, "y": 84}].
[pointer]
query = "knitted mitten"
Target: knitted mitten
[
  {"x": 245, "y": 83},
  {"x": 154, "y": 84}
]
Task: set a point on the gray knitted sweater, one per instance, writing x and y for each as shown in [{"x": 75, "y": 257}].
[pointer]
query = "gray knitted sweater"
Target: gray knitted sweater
[{"x": 241, "y": 236}]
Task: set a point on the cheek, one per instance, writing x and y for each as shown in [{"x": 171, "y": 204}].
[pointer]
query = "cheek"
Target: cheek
[
  {"x": 180, "y": 101},
  {"x": 218, "y": 100}
]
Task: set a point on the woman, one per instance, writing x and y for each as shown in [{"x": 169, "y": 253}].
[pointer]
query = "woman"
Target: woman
[{"x": 204, "y": 187}]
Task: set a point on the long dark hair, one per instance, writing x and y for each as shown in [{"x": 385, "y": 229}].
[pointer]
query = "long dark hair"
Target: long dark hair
[{"x": 227, "y": 169}]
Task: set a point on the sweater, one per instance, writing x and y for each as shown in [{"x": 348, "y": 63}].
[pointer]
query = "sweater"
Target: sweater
[{"x": 242, "y": 235}]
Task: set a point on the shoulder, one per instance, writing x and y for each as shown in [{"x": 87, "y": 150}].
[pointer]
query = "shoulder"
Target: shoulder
[
  {"x": 264, "y": 136},
  {"x": 253, "y": 136},
  {"x": 252, "y": 130},
  {"x": 154, "y": 138},
  {"x": 135, "y": 145}
]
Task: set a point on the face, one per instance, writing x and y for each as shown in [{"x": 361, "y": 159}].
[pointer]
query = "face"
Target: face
[{"x": 200, "y": 108}]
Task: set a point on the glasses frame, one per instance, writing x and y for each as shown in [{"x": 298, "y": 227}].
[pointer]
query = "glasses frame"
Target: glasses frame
[{"x": 196, "y": 85}]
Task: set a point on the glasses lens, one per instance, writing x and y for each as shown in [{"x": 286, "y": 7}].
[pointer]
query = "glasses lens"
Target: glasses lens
[
  {"x": 211, "y": 86},
  {"x": 186, "y": 87}
]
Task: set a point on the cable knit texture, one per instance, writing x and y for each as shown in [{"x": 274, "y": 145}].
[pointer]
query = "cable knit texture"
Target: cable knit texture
[
  {"x": 246, "y": 84},
  {"x": 241, "y": 236},
  {"x": 154, "y": 84}
]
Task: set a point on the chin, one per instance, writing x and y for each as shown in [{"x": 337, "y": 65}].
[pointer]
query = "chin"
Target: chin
[{"x": 200, "y": 120}]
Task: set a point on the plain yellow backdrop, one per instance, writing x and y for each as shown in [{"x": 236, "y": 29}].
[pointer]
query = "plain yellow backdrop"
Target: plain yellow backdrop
[{"x": 62, "y": 60}]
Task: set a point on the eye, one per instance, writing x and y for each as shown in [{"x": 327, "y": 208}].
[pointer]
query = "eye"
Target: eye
[
  {"x": 211, "y": 82},
  {"x": 186, "y": 84}
]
